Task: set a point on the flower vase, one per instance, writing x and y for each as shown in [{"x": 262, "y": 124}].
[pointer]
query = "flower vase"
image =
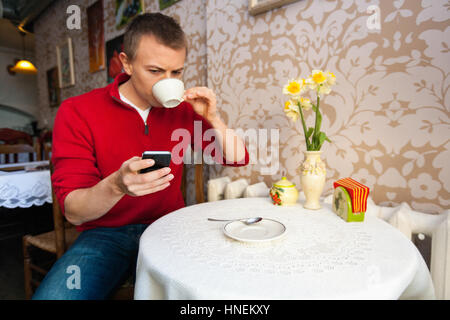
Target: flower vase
[{"x": 313, "y": 175}]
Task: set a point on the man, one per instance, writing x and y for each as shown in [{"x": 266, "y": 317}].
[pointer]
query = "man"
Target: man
[{"x": 98, "y": 138}]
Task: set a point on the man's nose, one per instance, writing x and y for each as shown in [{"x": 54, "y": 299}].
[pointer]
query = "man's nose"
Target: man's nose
[{"x": 167, "y": 75}]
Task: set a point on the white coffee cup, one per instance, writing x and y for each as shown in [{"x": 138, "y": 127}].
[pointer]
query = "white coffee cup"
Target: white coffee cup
[{"x": 169, "y": 92}]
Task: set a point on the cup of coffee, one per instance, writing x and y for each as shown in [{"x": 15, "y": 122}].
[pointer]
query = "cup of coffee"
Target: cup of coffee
[{"x": 169, "y": 92}]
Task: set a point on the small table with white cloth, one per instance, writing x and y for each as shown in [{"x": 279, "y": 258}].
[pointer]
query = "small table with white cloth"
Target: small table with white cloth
[
  {"x": 182, "y": 255},
  {"x": 25, "y": 188},
  {"x": 25, "y": 192}
]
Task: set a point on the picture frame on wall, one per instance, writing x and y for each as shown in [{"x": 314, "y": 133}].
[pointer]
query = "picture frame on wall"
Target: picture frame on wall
[
  {"x": 114, "y": 66},
  {"x": 66, "y": 73},
  {"x": 163, "y": 4},
  {"x": 126, "y": 10},
  {"x": 54, "y": 94},
  {"x": 96, "y": 37},
  {"x": 259, "y": 6}
]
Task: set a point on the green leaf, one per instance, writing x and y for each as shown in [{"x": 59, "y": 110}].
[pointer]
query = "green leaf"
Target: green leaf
[
  {"x": 316, "y": 137},
  {"x": 322, "y": 137},
  {"x": 326, "y": 138},
  {"x": 309, "y": 132},
  {"x": 319, "y": 122},
  {"x": 317, "y": 142}
]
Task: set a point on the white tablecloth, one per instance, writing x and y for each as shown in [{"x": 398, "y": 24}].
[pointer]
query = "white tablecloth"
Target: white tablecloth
[
  {"x": 25, "y": 189},
  {"x": 184, "y": 256}
]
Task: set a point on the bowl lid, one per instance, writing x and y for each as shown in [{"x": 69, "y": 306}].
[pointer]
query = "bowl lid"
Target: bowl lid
[{"x": 284, "y": 183}]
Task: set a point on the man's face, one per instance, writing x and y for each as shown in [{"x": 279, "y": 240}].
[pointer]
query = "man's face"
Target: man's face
[{"x": 153, "y": 62}]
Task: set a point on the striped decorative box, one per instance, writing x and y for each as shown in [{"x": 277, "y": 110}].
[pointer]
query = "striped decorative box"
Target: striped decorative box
[{"x": 350, "y": 199}]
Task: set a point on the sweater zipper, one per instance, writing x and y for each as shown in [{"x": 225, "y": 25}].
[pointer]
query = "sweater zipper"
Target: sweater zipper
[{"x": 123, "y": 103}]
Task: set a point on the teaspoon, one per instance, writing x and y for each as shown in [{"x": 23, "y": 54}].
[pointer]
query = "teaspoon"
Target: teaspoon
[{"x": 245, "y": 220}]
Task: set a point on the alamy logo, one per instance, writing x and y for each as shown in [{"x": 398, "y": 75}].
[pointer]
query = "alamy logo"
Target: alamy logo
[
  {"x": 74, "y": 19},
  {"x": 74, "y": 280},
  {"x": 266, "y": 158},
  {"x": 373, "y": 22}
]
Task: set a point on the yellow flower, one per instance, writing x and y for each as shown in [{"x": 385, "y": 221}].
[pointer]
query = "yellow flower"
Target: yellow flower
[
  {"x": 318, "y": 76},
  {"x": 287, "y": 105},
  {"x": 304, "y": 84},
  {"x": 309, "y": 82},
  {"x": 291, "y": 110},
  {"x": 305, "y": 103},
  {"x": 324, "y": 89},
  {"x": 331, "y": 78},
  {"x": 321, "y": 81},
  {"x": 294, "y": 87}
]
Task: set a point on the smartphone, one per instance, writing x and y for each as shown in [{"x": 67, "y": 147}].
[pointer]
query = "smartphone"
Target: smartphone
[{"x": 162, "y": 160}]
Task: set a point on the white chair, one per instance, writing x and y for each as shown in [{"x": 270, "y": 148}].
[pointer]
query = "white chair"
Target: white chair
[
  {"x": 257, "y": 190},
  {"x": 437, "y": 227},
  {"x": 216, "y": 188},
  {"x": 223, "y": 188},
  {"x": 235, "y": 189}
]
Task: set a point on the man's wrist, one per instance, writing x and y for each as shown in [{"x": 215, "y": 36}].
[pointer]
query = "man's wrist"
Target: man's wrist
[
  {"x": 114, "y": 184},
  {"x": 215, "y": 121}
]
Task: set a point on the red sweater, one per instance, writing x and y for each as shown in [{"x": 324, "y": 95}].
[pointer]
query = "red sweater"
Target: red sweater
[{"x": 96, "y": 132}]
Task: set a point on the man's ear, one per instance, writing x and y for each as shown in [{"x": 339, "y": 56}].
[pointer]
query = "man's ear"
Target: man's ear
[{"x": 126, "y": 63}]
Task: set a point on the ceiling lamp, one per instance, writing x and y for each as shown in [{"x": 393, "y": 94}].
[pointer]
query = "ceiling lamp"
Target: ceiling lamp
[{"x": 22, "y": 66}]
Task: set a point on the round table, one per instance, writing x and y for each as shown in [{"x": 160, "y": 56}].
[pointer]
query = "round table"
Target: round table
[{"x": 184, "y": 256}]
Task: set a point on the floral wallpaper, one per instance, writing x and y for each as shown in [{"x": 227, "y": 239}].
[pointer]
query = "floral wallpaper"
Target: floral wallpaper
[{"x": 387, "y": 115}]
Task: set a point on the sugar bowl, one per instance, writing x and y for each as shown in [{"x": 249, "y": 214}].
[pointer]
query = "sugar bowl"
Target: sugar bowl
[{"x": 284, "y": 193}]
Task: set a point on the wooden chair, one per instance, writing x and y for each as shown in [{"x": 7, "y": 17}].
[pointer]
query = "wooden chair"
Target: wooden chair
[
  {"x": 45, "y": 144},
  {"x": 55, "y": 242},
  {"x": 16, "y": 142},
  {"x": 11, "y": 136},
  {"x": 15, "y": 150},
  {"x": 198, "y": 181}
]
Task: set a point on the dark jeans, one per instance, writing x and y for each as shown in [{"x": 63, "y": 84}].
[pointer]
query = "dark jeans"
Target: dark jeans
[{"x": 96, "y": 264}]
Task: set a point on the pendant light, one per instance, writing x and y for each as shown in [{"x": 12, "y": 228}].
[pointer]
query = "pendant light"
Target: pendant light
[{"x": 22, "y": 66}]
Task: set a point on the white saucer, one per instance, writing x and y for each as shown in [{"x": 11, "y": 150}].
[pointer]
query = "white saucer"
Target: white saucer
[{"x": 265, "y": 230}]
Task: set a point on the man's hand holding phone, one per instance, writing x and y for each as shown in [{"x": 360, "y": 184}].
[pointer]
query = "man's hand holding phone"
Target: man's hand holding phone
[{"x": 130, "y": 181}]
